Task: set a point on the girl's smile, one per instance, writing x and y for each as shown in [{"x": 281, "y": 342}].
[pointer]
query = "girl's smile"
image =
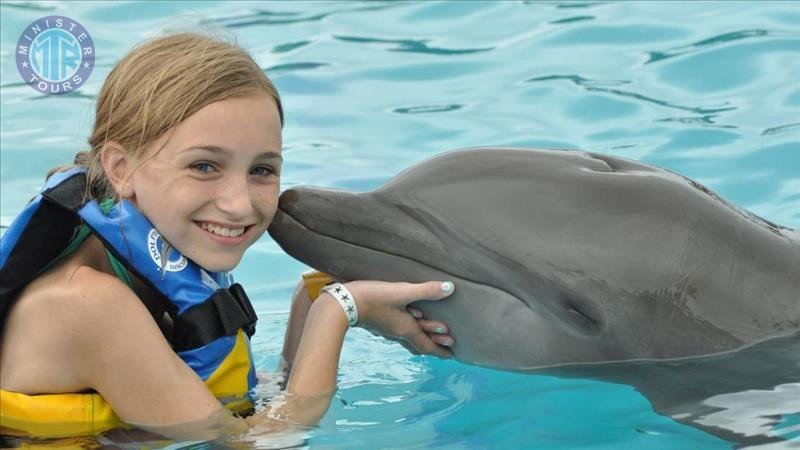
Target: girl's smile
[{"x": 225, "y": 234}]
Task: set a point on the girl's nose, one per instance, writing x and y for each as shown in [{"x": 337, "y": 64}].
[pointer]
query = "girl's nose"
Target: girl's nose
[{"x": 234, "y": 199}]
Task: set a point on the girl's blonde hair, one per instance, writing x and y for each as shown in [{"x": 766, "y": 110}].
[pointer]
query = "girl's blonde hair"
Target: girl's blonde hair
[{"x": 158, "y": 84}]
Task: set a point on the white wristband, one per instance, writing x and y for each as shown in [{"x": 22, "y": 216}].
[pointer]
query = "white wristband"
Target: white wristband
[{"x": 346, "y": 300}]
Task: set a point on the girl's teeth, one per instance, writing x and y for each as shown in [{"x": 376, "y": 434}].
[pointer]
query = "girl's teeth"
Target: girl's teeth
[{"x": 222, "y": 231}]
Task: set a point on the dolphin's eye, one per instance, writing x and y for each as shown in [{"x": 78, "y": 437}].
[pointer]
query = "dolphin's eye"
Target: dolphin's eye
[
  {"x": 583, "y": 321},
  {"x": 573, "y": 310}
]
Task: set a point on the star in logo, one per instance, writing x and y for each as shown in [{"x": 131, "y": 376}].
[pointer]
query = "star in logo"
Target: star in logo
[
  {"x": 25, "y": 64},
  {"x": 86, "y": 65}
]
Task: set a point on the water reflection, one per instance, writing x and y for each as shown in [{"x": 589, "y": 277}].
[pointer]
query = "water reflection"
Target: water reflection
[{"x": 412, "y": 46}]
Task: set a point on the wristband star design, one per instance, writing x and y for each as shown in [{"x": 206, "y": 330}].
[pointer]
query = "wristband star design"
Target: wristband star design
[{"x": 346, "y": 300}]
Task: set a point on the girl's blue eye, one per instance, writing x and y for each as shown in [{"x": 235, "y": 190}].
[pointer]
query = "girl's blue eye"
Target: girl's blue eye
[
  {"x": 203, "y": 167},
  {"x": 262, "y": 170}
]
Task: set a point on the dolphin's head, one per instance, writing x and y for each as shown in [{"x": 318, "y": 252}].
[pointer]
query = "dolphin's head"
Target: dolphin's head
[{"x": 516, "y": 231}]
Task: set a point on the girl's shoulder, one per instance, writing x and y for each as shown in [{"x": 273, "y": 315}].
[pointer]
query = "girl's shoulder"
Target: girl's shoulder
[
  {"x": 80, "y": 282},
  {"x": 58, "y": 320}
]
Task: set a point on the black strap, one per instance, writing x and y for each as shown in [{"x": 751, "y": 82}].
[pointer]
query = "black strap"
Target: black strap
[
  {"x": 70, "y": 194},
  {"x": 47, "y": 233},
  {"x": 223, "y": 314},
  {"x": 244, "y": 302}
]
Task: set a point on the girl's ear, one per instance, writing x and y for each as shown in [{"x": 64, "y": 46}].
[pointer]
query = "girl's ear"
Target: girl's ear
[{"x": 117, "y": 165}]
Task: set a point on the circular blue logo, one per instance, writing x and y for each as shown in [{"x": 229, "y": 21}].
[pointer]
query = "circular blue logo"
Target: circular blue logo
[
  {"x": 155, "y": 245},
  {"x": 55, "y": 55}
]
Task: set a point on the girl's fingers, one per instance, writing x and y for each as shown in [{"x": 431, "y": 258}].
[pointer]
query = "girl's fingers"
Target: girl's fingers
[
  {"x": 432, "y": 326},
  {"x": 424, "y": 344},
  {"x": 446, "y": 341},
  {"x": 383, "y": 306},
  {"x": 371, "y": 295},
  {"x": 406, "y": 293},
  {"x": 414, "y": 312}
]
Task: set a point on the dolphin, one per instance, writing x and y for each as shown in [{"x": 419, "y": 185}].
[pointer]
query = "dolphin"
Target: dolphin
[
  {"x": 563, "y": 259},
  {"x": 559, "y": 256}
]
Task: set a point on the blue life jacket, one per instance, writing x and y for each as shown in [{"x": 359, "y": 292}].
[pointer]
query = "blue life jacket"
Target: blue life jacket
[{"x": 212, "y": 318}]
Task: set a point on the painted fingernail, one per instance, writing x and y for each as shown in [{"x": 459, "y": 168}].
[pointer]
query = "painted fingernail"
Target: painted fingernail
[
  {"x": 448, "y": 287},
  {"x": 416, "y": 314},
  {"x": 439, "y": 330},
  {"x": 445, "y": 342}
]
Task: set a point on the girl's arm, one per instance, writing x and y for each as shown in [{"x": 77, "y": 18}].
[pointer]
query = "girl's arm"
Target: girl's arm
[
  {"x": 312, "y": 381},
  {"x": 429, "y": 336},
  {"x": 301, "y": 304}
]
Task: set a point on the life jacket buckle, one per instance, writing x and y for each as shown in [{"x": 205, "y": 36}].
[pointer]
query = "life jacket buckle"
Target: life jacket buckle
[{"x": 238, "y": 293}]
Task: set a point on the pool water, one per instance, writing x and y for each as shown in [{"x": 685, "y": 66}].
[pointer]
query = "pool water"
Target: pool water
[{"x": 706, "y": 89}]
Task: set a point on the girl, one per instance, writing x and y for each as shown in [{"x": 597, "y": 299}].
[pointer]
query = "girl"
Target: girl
[{"x": 117, "y": 305}]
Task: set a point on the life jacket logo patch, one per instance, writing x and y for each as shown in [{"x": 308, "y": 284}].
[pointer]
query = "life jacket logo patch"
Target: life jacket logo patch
[{"x": 154, "y": 243}]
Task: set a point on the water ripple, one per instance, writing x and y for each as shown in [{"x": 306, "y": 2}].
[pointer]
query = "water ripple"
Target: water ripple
[
  {"x": 412, "y": 46},
  {"x": 569, "y": 5},
  {"x": 267, "y": 17},
  {"x": 706, "y": 120},
  {"x": 780, "y": 129},
  {"x": 571, "y": 19},
  {"x": 73, "y": 94},
  {"x": 424, "y": 109},
  {"x": 595, "y": 86},
  {"x": 728, "y": 67},
  {"x": 289, "y": 46},
  {"x": 31, "y": 6},
  {"x": 260, "y": 17},
  {"x": 622, "y": 34},
  {"x": 13, "y": 85},
  {"x": 710, "y": 42},
  {"x": 293, "y": 67}
]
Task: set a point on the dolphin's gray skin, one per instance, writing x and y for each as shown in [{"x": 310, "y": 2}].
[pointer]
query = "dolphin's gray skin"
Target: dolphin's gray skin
[{"x": 561, "y": 257}]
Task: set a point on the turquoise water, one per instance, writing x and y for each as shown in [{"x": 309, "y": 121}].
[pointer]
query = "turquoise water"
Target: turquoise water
[{"x": 709, "y": 90}]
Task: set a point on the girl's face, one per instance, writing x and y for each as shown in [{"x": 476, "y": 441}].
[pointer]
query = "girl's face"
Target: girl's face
[{"x": 212, "y": 190}]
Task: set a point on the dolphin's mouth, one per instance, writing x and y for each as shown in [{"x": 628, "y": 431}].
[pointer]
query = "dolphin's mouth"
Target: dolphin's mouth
[
  {"x": 313, "y": 244},
  {"x": 287, "y": 220}
]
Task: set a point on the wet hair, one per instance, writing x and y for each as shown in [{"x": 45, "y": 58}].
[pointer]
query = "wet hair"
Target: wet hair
[{"x": 157, "y": 85}]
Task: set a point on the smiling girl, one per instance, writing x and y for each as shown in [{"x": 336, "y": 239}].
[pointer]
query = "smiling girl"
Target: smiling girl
[{"x": 117, "y": 303}]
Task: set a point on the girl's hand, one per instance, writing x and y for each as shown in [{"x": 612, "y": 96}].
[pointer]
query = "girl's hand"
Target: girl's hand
[{"x": 382, "y": 310}]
